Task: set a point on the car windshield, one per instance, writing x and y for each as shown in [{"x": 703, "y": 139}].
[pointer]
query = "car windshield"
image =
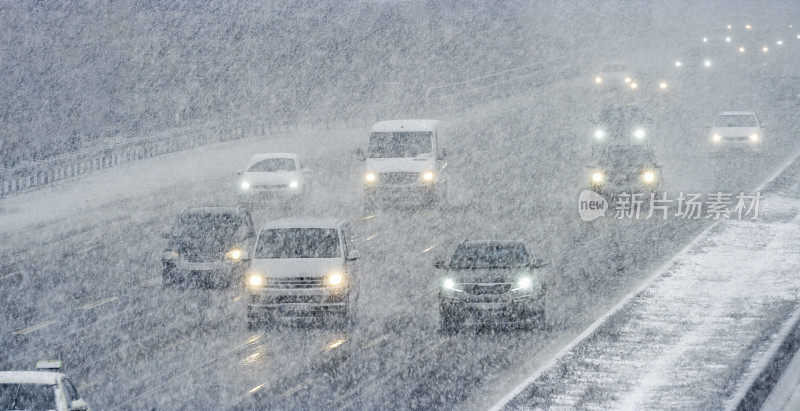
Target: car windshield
[
  {"x": 736, "y": 120},
  {"x": 298, "y": 243},
  {"x": 399, "y": 144},
  {"x": 205, "y": 233},
  {"x": 625, "y": 155},
  {"x": 271, "y": 165},
  {"x": 27, "y": 397},
  {"x": 620, "y": 115},
  {"x": 489, "y": 255}
]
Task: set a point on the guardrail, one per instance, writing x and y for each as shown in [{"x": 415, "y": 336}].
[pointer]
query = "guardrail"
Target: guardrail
[{"x": 438, "y": 98}]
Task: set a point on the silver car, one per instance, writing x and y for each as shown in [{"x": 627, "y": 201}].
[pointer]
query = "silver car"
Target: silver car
[{"x": 496, "y": 279}]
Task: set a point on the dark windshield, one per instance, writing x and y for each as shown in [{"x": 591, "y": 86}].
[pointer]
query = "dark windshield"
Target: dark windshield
[
  {"x": 745, "y": 120},
  {"x": 489, "y": 255},
  {"x": 27, "y": 397},
  {"x": 272, "y": 164},
  {"x": 621, "y": 115},
  {"x": 615, "y": 68},
  {"x": 206, "y": 234},
  {"x": 627, "y": 155},
  {"x": 399, "y": 144},
  {"x": 298, "y": 243}
]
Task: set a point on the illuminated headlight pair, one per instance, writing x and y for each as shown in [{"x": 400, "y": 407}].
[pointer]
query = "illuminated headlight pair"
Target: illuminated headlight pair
[
  {"x": 332, "y": 280},
  {"x": 753, "y": 137},
  {"x": 639, "y": 133},
  {"x": 598, "y": 177}
]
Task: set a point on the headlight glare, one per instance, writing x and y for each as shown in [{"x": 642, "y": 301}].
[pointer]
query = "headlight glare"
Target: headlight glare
[
  {"x": 716, "y": 138},
  {"x": 370, "y": 177},
  {"x": 598, "y": 80},
  {"x": 255, "y": 280},
  {"x": 648, "y": 176},
  {"x": 235, "y": 254},
  {"x": 598, "y": 177},
  {"x": 245, "y": 185},
  {"x": 427, "y": 176},
  {"x": 450, "y": 284},
  {"x": 293, "y": 184},
  {"x": 754, "y": 137},
  {"x": 639, "y": 133},
  {"x": 599, "y": 134},
  {"x": 334, "y": 279}
]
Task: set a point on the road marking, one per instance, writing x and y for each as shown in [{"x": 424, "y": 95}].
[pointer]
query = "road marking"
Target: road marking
[
  {"x": 297, "y": 387},
  {"x": 335, "y": 344},
  {"x": 237, "y": 298},
  {"x": 3, "y": 277},
  {"x": 35, "y": 327},
  {"x": 98, "y": 303},
  {"x": 428, "y": 249},
  {"x": 367, "y": 217},
  {"x": 370, "y": 237},
  {"x": 377, "y": 340},
  {"x": 256, "y": 388},
  {"x": 87, "y": 249}
]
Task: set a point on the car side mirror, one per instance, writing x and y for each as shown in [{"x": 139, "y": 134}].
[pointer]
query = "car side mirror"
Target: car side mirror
[
  {"x": 79, "y": 404},
  {"x": 239, "y": 172},
  {"x": 442, "y": 154},
  {"x": 360, "y": 154},
  {"x": 539, "y": 263},
  {"x": 353, "y": 255},
  {"x": 440, "y": 265}
]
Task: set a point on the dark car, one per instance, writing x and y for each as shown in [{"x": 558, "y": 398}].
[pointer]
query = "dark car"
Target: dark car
[
  {"x": 208, "y": 246},
  {"x": 494, "y": 279},
  {"x": 625, "y": 169},
  {"x": 625, "y": 124}
]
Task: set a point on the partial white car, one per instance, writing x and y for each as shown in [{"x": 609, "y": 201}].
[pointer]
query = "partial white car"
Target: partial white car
[
  {"x": 46, "y": 389},
  {"x": 404, "y": 163},
  {"x": 273, "y": 176},
  {"x": 615, "y": 76},
  {"x": 303, "y": 268},
  {"x": 737, "y": 131}
]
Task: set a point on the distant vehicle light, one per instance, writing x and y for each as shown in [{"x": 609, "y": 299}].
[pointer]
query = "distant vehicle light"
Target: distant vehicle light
[
  {"x": 598, "y": 80},
  {"x": 245, "y": 185},
  {"x": 597, "y": 177},
  {"x": 779, "y": 42},
  {"x": 716, "y": 138},
  {"x": 765, "y": 49},
  {"x": 748, "y": 27},
  {"x": 727, "y": 39},
  {"x": 234, "y": 254},
  {"x": 754, "y": 137},
  {"x": 707, "y": 63},
  {"x": 628, "y": 80},
  {"x": 370, "y": 177},
  {"x": 293, "y": 184},
  {"x": 649, "y": 176},
  {"x": 678, "y": 64},
  {"x": 427, "y": 176},
  {"x": 255, "y": 280},
  {"x": 741, "y": 49},
  {"x": 334, "y": 279},
  {"x": 729, "y": 26},
  {"x": 449, "y": 284},
  {"x": 634, "y": 86},
  {"x": 524, "y": 283},
  {"x": 705, "y": 39},
  {"x": 639, "y": 133},
  {"x": 662, "y": 85},
  {"x": 599, "y": 134}
]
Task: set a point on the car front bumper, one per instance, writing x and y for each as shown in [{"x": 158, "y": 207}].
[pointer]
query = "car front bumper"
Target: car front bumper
[
  {"x": 298, "y": 302},
  {"x": 504, "y": 305},
  {"x": 215, "y": 272}
]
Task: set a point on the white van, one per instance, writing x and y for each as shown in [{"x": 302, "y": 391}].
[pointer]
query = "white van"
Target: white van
[
  {"x": 303, "y": 268},
  {"x": 404, "y": 161}
]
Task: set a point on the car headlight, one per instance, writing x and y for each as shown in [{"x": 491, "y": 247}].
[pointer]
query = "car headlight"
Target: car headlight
[
  {"x": 427, "y": 176},
  {"x": 639, "y": 133},
  {"x": 754, "y": 137},
  {"x": 598, "y": 177},
  {"x": 335, "y": 279},
  {"x": 662, "y": 85},
  {"x": 245, "y": 185},
  {"x": 170, "y": 255},
  {"x": 707, "y": 63},
  {"x": 634, "y": 86},
  {"x": 741, "y": 49},
  {"x": 678, "y": 64},
  {"x": 450, "y": 284},
  {"x": 235, "y": 254},
  {"x": 524, "y": 283},
  {"x": 648, "y": 176},
  {"x": 370, "y": 177},
  {"x": 765, "y": 49},
  {"x": 598, "y": 80},
  {"x": 293, "y": 184},
  {"x": 255, "y": 280},
  {"x": 599, "y": 134},
  {"x": 628, "y": 80},
  {"x": 716, "y": 138}
]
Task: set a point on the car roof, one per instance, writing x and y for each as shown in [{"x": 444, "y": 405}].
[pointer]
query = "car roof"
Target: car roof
[
  {"x": 405, "y": 125},
  {"x": 30, "y": 377},
  {"x": 266, "y": 156},
  {"x": 304, "y": 222},
  {"x": 737, "y": 113}
]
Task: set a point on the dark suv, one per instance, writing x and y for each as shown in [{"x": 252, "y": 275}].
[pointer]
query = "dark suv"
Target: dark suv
[
  {"x": 491, "y": 278},
  {"x": 208, "y": 246}
]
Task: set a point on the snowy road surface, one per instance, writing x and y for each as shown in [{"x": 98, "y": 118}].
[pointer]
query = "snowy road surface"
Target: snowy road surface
[
  {"x": 81, "y": 280},
  {"x": 785, "y": 394},
  {"x": 689, "y": 337}
]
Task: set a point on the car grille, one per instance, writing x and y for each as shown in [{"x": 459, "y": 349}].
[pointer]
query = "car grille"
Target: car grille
[
  {"x": 740, "y": 138},
  {"x": 398, "y": 178},
  {"x": 270, "y": 186},
  {"x": 290, "y": 299},
  {"x": 482, "y": 289},
  {"x": 296, "y": 282}
]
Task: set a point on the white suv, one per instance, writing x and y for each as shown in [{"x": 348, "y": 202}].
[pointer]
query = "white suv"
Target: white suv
[
  {"x": 39, "y": 390},
  {"x": 273, "y": 176},
  {"x": 737, "y": 130},
  {"x": 404, "y": 161},
  {"x": 303, "y": 268}
]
